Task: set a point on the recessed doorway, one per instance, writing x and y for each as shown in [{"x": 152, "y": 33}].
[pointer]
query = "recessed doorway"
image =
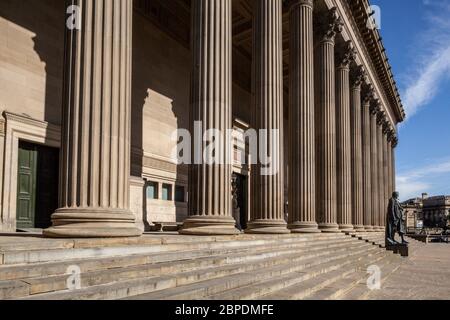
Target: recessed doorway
[{"x": 37, "y": 186}]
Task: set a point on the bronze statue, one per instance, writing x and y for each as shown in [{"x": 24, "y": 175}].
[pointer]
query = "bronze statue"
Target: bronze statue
[{"x": 396, "y": 221}]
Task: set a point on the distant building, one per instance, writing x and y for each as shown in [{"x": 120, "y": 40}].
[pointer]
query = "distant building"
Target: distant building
[
  {"x": 435, "y": 210},
  {"x": 426, "y": 212},
  {"x": 414, "y": 212}
]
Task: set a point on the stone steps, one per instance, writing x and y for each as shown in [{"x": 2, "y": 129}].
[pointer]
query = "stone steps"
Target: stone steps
[
  {"x": 292, "y": 270},
  {"x": 33, "y": 270},
  {"x": 304, "y": 290},
  {"x": 376, "y": 238},
  {"x": 248, "y": 259},
  {"x": 307, "y": 279},
  {"x": 349, "y": 281},
  {"x": 360, "y": 291},
  {"x": 150, "y": 282},
  {"x": 176, "y": 267},
  {"x": 19, "y": 255}
]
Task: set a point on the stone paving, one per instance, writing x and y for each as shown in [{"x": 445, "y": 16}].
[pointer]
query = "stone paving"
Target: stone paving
[{"x": 424, "y": 276}]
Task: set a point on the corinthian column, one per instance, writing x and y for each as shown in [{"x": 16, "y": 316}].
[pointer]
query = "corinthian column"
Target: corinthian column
[
  {"x": 343, "y": 132},
  {"x": 302, "y": 201},
  {"x": 210, "y": 182},
  {"x": 357, "y": 78},
  {"x": 381, "y": 187},
  {"x": 374, "y": 109},
  {"x": 367, "y": 172},
  {"x": 95, "y": 155},
  {"x": 326, "y": 122},
  {"x": 267, "y": 182}
]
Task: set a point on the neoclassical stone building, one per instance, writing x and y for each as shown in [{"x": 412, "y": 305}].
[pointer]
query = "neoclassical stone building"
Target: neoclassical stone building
[{"x": 88, "y": 115}]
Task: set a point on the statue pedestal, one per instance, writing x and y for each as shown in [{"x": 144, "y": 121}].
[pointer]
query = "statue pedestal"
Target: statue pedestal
[{"x": 401, "y": 249}]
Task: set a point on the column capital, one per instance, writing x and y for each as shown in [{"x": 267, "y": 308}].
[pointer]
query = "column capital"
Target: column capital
[
  {"x": 381, "y": 115},
  {"x": 329, "y": 25},
  {"x": 346, "y": 54},
  {"x": 368, "y": 95},
  {"x": 375, "y": 107},
  {"x": 394, "y": 142},
  {"x": 357, "y": 77}
]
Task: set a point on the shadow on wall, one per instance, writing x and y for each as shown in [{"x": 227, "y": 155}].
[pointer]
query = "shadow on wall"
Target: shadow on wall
[
  {"x": 31, "y": 71},
  {"x": 32, "y": 58},
  {"x": 160, "y": 105}
]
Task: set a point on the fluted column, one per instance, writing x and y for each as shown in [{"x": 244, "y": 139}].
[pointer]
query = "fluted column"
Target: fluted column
[
  {"x": 302, "y": 201},
  {"x": 95, "y": 155},
  {"x": 357, "y": 78},
  {"x": 367, "y": 172},
  {"x": 389, "y": 162},
  {"x": 343, "y": 134},
  {"x": 267, "y": 183},
  {"x": 210, "y": 181},
  {"x": 374, "y": 109},
  {"x": 325, "y": 108},
  {"x": 394, "y": 146},
  {"x": 381, "y": 187},
  {"x": 386, "y": 178}
]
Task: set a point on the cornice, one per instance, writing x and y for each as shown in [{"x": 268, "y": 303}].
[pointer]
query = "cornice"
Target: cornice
[{"x": 371, "y": 38}]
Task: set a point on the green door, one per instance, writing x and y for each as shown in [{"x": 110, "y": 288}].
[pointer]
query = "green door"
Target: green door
[{"x": 26, "y": 186}]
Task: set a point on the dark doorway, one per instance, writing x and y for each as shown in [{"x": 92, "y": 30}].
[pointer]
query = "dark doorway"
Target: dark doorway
[
  {"x": 37, "y": 185},
  {"x": 240, "y": 200}
]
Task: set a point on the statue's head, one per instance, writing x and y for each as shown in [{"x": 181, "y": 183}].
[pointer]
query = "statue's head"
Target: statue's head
[{"x": 396, "y": 195}]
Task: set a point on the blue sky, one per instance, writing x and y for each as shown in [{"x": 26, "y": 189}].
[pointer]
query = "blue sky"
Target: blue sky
[{"x": 416, "y": 34}]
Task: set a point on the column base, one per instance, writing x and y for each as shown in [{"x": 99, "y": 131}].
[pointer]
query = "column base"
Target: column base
[
  {"x": 329, "y": 227},
  {"x": 358, "y": 228},
  {"x": 346, "y": 228},
  {"x": 369, "y": 229},
  {"x": 267, "y": 227},
  {"x": 92, "y": 223},
  {"x": 209, "y": 226},
  {"x": 304, "y": 227}
]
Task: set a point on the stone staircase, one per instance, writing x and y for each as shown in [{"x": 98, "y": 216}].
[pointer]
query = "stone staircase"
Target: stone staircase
[{"x": 322, "y": 266}]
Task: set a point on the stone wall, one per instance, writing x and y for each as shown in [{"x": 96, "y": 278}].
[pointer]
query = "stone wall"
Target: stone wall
[{"x": 31, "y": 58}]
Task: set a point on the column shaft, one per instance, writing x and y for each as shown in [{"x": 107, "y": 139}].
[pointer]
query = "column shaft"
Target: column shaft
[
  {"x": 374, "y": 168},
  {"x": 96, "y": 125},
  {"x": 389, "y": 165},
  {"x": 394, "y": 145},
  {"x": 302, "y": 201},
  {"x": 325, "y": 99},
  {"x": 381, "y": 186},
  {"x": 210, "y": 182},
  {"x": 343, "y": 135},
  {"x": 386, "y": 178},
  {"x": 356, "y": 150},
  {"x": 367, "y": 172},
  {"x": 267, "y": 182}
]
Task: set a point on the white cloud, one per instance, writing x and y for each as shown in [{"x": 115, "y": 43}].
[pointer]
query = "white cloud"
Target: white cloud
[
  {"x": 413, "y": 183},
  {"x": 426, "y": 86},
  {"x": 432, "y": 65}
]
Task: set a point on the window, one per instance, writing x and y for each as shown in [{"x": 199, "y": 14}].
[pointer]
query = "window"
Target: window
[
  {"x": 179, "y": 194},
  {"x": 166, "y": 192},
  {"x": 152, "y": 190}
]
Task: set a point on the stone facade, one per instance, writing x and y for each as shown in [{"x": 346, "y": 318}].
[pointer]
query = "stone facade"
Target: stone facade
[
  {"x": 111, "y": 94},
  {"x": 435, "y": 209}
]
